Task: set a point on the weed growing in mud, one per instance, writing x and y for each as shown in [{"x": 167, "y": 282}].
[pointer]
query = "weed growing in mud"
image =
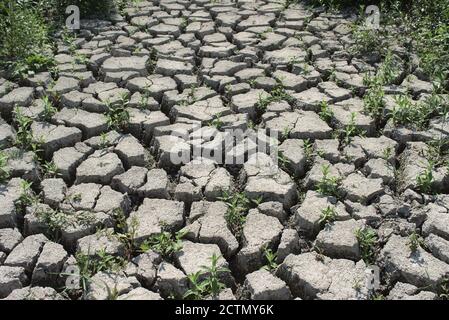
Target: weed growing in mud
[
  {"x": 350, "y": 130},
  {"x": 424, "y": 180},
  {"x": 367, "y": 239},
  {"x": 278, "y": 93},
  {"x": 50, "y": 170},
  {"x": 270, "y": 258},
  {"x": 125, "y": 232},
  {"x": 206, "y": 283},
  {"x": 415, "y": 241},
  {"x": 366, "y": 40},
  {"x": 24, "y": 137},
  {"x": 216, "y": 122},
  {"x": 328, "y": 215},
  {"x": 378, "y": 297},
  {"x": 308, "y": 151},
  {"x": 164, "y": 243},
  {"x": 4, "y": 171},
  {"x": 283, "y": 161},
  {"x": 328, "y": 185},
  {"x": 53, "y": 220},
  {"x": 27, "y": 196},
  {"x": 373, "y": 101},
  {"x": 438, "y": 152},
  {"x": 89, "y": 265},
  {"x": 406, "y": 112},
  {"x": 387, "y": 153},
  {"x": 104, "y": 140},
  {"x": 238, "y": 204},
  {"x": 117, "y": 114},
  {"x": 24, "y": 39},
  {"x": 389, "y": 69},
  {"x": 49, "y": 110},
  {"x": 417, "y": 115},
  {"x": 286, "y": 133},
  {"x": 326, "y": 114}
]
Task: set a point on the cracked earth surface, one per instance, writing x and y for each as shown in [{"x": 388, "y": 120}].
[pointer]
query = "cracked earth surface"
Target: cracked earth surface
[{"x": 195, "y": 69}]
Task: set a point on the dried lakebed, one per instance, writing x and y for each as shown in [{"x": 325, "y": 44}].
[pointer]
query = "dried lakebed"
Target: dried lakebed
[{"x": 134, "y": 187}]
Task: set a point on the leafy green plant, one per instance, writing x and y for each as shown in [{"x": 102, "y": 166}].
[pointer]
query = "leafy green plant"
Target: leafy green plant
[
  {"x": 118, "y": 115},
  {"x": 54, "y": 220},
  {"x": 278, "y": 93},
  {"x": 238, "y": 204},
  {"x": 432, "y": 43},
  {"x": 367, "y": 239},
  {"x": 388, "y": 70},
  {"x": 92, "y": 8},
  {"x": 151, "y": 63},
  {"x": 126, "y": 233},
  {"x": 378, "y": 297},
  {"x": 405, "y": 111},
  {"x": 90, "y": 265},
  {"x": 387, "y": 153},
  {"x": 164, "y": 243},
  {"x": 350, "y": 130},
  {"x": 328, "y": 185},
  {"x": 113, "y": 293},
  {"x": 415, "y": 241},
  {"x": 77, "y": 197},
  {"x": 373, "y": 101},
  {"x": 104, "y": 140},
  {"x": 283, "y": 161},
  {"x": 198, "y": 290},
  {"x": 326, "y": 114},
  {"x": 24, "y": 136},
  {"x": 424, "y": 180},
  {"x": 144, "y": 98},
  {"x": 328, "y": 215},
  {"x": 4, "y": 171},
  {"x": 81, "y": 59},
  {"x": 420, "y": 26},
  {"x": 32, "y": 64},
  {"x": 23, "y": 33},
  {"x": 27, "y": 197},
  {"x": 308, "y": 150},
  {"x": 49, "y": 109},
  {"x": 438, "y": 152},
  {"x": 50, "y": 169},
  {"x": 366, "y": 40},
  {"x": 207, "y": 282},
  {"x": 285, "y": 133},
  {"x": 217, "y": 122},
  {"x": 270, "y": 258}
]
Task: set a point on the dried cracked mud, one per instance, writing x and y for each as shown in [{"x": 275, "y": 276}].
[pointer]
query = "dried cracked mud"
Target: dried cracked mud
[{"x": 182, "y": 74}]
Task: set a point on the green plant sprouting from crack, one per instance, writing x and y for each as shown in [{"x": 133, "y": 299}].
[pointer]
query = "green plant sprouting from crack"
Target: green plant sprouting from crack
[
  {"x": 270, "y": 258},
  {"x": 415, "y": 241},
  {"x": 367, "y": 239},
  {"x": 207, "y": 282},
  {"x": 326, "y": 114},
  {"x": 328, "y": 185},
  {"x": 425, "y": 179},
  {"x": 238, "y": 204},
  {"x": 4, "y": 170},
  {"x": 164, "y": 243},
  {"x": 328, "y": 215},
  {"x": 117, "y": 114}
]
